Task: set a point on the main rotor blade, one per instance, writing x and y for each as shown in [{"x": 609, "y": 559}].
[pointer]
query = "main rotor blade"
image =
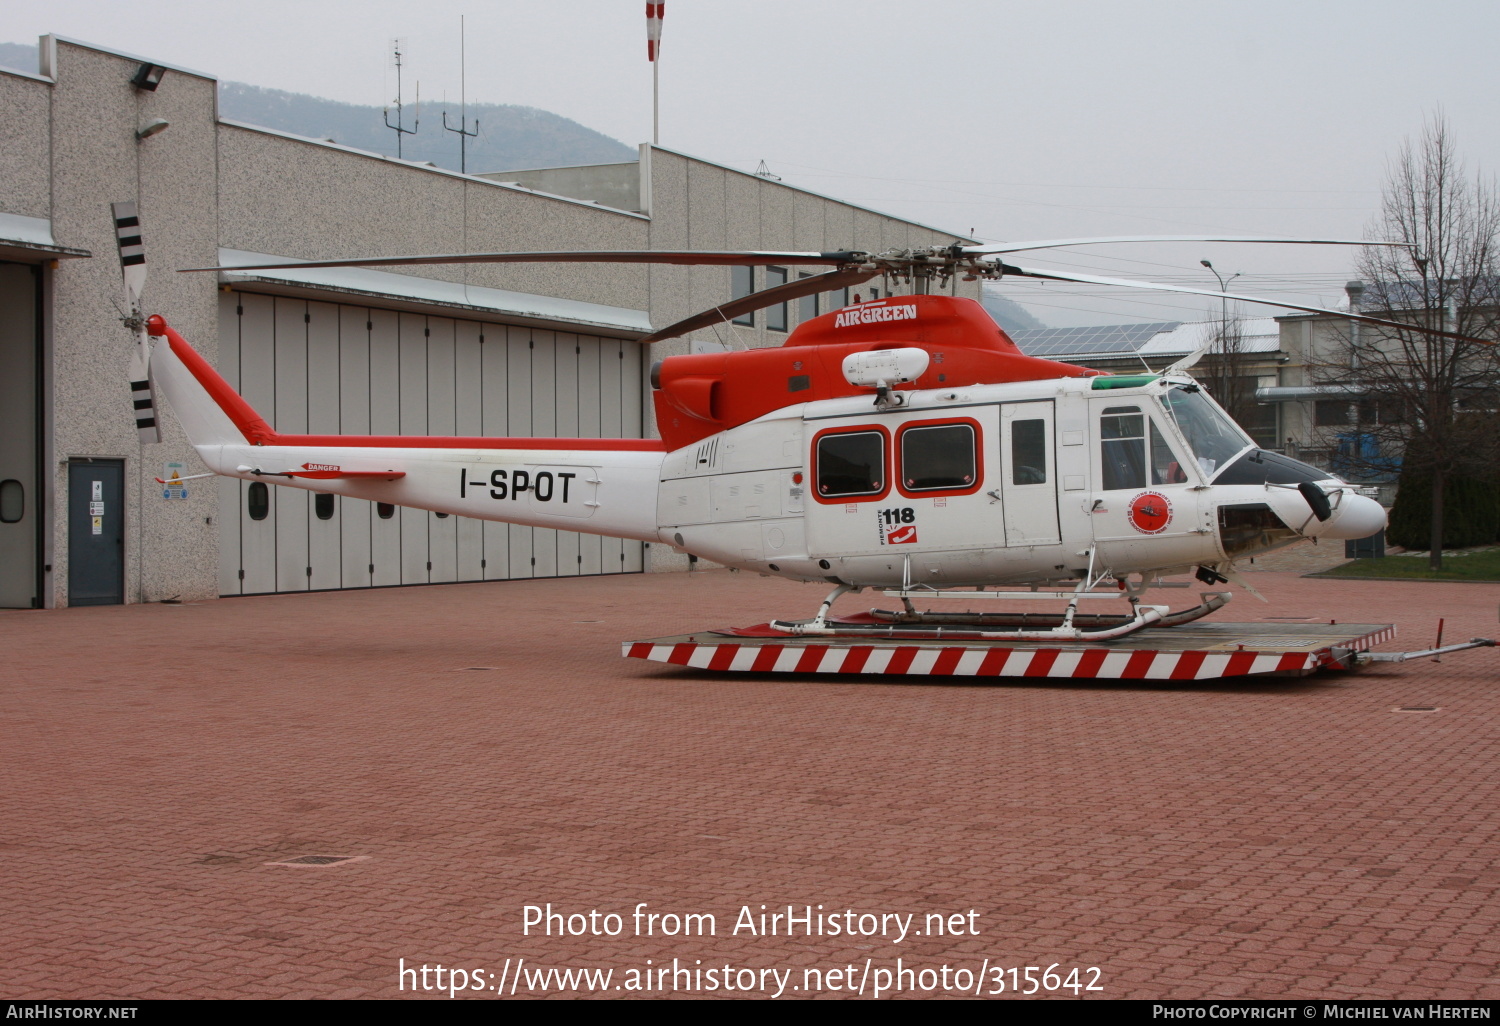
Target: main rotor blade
[
  {"x": 760, "y": 300},
  {"x": 1091, "y": 279},
  {"x": 1018, "y": 247},
  {"x": 742, "y": 258}
]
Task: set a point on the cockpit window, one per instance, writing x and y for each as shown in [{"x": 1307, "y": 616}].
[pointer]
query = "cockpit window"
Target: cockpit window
[{"x": 1214, "y": 438}]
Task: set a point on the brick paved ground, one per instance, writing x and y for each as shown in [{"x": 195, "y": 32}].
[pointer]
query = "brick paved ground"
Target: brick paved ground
[
  {"x": 1263, "y": 838},
  {"x": 1305, "y": 557}
]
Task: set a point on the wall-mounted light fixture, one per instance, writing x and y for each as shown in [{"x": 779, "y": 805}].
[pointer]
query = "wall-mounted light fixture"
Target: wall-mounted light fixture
[
  {"x": 148, "y": 77},
  {"x": 151, "y": 127}
]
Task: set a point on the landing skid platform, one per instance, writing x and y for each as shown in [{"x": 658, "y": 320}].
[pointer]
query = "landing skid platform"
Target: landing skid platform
[{"x": 1196, "y": 651}]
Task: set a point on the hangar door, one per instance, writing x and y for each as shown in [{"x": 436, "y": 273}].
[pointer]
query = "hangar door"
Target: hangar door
[{"x": 327, "y": 368}]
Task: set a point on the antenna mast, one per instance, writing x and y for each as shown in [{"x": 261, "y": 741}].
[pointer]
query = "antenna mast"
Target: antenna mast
[
  {"x": 399, "y": 127},
  {"x": 463, "y": 106}
]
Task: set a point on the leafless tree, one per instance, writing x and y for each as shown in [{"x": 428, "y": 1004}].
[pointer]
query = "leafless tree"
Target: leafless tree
[
  {"x": 1429, "y": 398},
  {"x": 1226, "y": 369}
]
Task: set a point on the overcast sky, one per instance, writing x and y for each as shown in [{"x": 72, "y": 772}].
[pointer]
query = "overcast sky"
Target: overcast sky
[{"x": 1018, "y": 120}]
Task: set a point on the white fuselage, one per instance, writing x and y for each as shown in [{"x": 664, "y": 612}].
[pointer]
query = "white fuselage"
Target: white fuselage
[{"x": 1012, "y": 483}]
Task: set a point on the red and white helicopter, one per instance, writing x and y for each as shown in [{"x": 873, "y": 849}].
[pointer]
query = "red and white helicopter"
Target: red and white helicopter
[{"x": 903, "y": 444}]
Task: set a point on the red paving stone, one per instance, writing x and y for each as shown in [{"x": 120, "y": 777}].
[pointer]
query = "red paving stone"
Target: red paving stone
[{"x": 1262, "y": 838}]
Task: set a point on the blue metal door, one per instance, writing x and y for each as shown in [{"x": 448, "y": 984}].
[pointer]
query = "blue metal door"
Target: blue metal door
[{"x": 96, "y": 533}]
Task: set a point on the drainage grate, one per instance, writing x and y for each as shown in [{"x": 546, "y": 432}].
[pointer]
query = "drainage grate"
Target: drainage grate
[
  {"x": 318, "y": 860},
  {"x": 1415, "y": 708},
  {"x": 480, "y": 667}
]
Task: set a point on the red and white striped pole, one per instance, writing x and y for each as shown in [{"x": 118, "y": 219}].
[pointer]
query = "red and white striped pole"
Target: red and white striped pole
[{"x": 655, "y": 12}]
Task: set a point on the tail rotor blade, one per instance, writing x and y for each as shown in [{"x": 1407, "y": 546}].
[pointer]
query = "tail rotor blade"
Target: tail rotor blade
[
  {"x": 133, "y": 271},
  {"x": 132, "y": 252}
]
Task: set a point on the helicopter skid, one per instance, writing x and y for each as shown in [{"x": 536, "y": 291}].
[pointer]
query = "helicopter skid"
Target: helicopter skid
[
  {"x": 918, "y": 627},
  {"x": 1212, "y": 601}
]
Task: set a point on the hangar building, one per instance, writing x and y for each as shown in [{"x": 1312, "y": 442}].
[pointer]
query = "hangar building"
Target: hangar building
[{"x": 469, "y": 349}]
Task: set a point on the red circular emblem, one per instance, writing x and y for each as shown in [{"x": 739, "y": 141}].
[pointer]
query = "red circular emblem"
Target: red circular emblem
[{"x": 1150, "y": 512}]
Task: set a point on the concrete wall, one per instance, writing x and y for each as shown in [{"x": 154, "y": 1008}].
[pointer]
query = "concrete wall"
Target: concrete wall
[
  {"x": 610, "y": 185},
  {"x": 170, "y": 548},
  {"x": 25, "y": 145}
]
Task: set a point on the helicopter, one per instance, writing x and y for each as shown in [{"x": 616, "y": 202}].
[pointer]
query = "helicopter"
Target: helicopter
[{"x": 904, "y": 444}]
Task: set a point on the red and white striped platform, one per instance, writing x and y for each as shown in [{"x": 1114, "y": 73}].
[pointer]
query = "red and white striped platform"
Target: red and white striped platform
[{"x": 1196, "y": 651}]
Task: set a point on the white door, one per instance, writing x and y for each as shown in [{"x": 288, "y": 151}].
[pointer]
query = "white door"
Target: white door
[
  {"x": 1143, "y": 495},
  {"x": 1028, "y": 486}
]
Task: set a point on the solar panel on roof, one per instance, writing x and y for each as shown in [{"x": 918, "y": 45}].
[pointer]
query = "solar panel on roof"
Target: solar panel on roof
[{"x": 1088, "y": 339}]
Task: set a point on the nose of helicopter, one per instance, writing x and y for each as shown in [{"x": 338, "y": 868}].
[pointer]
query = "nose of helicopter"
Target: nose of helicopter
[{"x": 1356, "y": 516}]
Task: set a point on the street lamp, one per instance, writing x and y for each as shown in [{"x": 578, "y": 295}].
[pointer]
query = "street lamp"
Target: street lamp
[{"x": 1223, "y": 287}]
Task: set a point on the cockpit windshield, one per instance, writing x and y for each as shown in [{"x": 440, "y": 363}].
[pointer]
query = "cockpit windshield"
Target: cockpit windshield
[{"x": 1214, "y": 438}]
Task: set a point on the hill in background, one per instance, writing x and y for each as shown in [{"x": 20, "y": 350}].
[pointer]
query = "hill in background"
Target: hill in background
[{"x": 510, "y": 137}]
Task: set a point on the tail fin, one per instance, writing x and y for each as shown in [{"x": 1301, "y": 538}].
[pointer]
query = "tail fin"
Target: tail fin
[{"x": 209, "y": 409}]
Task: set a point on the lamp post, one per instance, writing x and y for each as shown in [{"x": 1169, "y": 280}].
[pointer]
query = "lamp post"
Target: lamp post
[
  {"x": 1223, "y": 287},
  {"x": 1227, "y": 368}
]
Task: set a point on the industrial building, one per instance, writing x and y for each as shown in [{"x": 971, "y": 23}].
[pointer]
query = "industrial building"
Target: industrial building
[{"x": 502, "y": 350}]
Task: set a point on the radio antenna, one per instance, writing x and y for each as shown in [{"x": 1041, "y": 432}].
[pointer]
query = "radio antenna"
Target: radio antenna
[
  {"x": 399, "y": 127},
  {"x": 463, "y": 106}
]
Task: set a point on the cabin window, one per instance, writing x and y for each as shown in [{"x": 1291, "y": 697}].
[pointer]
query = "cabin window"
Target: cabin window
[
  {"x": 12, "y": 501},
  {"x": 258, "y": 500},
  {"x": 1165, "y": 467},
  {"x": 385, "y": 510},
  {"x": 851, "y": 464},
  {"x": 938, "y": 458},
  {"x": 1028, "y": 452},
  {"x": 807, "y": 306},
  {"x": 742, "y": 284},
  {"x": 1122, "y": 447},
  {"x": 776, "y": 314},
  {"x": 323, "y": 505}
]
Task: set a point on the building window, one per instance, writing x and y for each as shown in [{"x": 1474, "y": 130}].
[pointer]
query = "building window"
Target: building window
[
  {"x": 323, "y": 505},
  {"x": 258, "y": 500},
  {"x": 776, "y": 315},
  {"x": 1331, "y": 413},
  {"x": 874, "y": 294},
  {"x": 742, "y": 284},
  {"x": 938, "y": 458},
  {"x": 851, "y": 463},
  {"x": 838, "y": 299},
  {"x": 807, "y": 306}
]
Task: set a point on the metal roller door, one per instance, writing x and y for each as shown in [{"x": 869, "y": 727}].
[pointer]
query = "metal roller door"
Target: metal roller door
[{"x": 328, "y": 368}]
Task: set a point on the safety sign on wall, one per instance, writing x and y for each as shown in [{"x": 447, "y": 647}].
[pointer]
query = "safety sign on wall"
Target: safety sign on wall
[{"x": 172, "y": 484}]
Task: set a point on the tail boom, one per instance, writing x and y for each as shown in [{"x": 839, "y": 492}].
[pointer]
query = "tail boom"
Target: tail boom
[{"x": 595, "y": 485}]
